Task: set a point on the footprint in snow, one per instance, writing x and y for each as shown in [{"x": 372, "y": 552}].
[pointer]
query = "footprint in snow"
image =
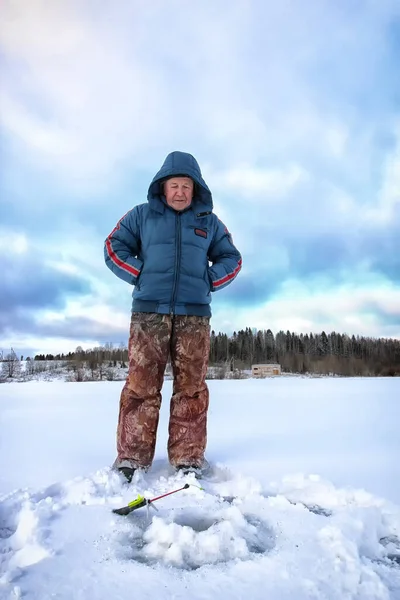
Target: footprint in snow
[{"x": 391, "y": 543}]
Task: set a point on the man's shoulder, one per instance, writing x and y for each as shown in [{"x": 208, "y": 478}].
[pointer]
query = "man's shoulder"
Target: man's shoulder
[
  {"x": 141, "y": 207},
  {"x": 140, "y": 210},
  {"x": 216, "y": 221}
]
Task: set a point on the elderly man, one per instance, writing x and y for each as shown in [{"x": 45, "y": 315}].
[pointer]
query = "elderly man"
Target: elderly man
[{"x": 175, "y": 252}]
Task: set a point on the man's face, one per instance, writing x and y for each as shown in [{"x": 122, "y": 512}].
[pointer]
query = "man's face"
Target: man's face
[{"x": 178, "y": 192}]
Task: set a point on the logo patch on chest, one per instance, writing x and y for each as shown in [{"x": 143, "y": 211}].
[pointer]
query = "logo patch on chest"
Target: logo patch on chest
[{"x": 200, "y": 232}]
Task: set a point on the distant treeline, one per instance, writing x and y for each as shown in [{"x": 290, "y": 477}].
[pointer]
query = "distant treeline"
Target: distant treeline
[{"x": 318, "y": 353}]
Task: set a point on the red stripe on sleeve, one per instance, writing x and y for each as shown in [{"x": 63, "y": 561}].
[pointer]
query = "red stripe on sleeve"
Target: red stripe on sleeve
[
  {"x": 118, "y": 262},
  {"x": 228, "y": 277}
]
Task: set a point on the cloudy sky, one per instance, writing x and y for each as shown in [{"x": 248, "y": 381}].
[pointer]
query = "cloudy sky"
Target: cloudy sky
[{"x": 292, "y": 109}]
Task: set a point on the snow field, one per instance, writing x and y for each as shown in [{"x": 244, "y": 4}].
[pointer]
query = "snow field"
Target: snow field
[
  {"x": 301, "y": 538},
  {"x": 303, "y": 502}
]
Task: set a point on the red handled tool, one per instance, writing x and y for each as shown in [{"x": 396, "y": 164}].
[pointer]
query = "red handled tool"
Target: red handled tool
[{"x": 142, "y": 501}]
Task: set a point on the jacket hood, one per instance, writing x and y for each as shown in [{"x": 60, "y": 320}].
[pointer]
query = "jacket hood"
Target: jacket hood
[{"x": 180, "y": 164}]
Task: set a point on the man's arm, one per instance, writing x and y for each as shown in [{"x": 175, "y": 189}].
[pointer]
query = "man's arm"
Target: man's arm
[
  {"x": 122, "y": 247},
  {"x": 225, "y": 257}
]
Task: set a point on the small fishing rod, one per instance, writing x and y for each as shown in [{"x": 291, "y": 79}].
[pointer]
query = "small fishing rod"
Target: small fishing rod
[{"x": 141, "y": 501}]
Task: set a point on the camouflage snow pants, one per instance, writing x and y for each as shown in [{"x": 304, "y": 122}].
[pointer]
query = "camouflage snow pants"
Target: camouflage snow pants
[{"x": 153, "y": 339}]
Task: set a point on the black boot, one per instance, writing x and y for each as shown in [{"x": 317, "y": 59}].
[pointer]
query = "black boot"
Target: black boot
[
  {"x": 127, "y": 472},
  {"x": 198, "y": 471}
]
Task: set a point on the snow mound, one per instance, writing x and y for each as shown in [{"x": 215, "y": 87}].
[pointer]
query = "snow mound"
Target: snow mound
[
  {"x": 191, "y": 537},
  {"x": 300, "y": 538}
]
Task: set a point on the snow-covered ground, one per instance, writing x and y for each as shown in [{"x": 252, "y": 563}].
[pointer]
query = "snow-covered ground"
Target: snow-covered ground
[{"x": 303, "y": 502}]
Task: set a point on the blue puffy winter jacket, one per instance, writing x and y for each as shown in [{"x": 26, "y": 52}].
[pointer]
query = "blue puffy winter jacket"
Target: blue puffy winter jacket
[{"x": 174, "y": 259}]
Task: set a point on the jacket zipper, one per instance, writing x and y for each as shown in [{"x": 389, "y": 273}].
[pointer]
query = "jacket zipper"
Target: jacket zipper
[{"x": 178, "y": 226}]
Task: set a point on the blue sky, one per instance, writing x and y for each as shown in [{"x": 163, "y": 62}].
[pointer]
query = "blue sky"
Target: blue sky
[{"x": 292, "y": 110}]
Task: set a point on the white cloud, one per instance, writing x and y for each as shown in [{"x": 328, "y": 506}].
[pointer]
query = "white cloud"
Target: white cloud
[
  {"x": 256, "y": 183},
  {"x": 38, "y": 135},
  {"x": 13, "y": 242},
  {"x": 337, "y": 138},
  {"x": 90, "y": 92},
  {"x": 347, "y": 308},
  {"x": 86, "y": 93},
  {"x": 104, "y": 315},
  {"x": 388, "y": 198},
  {"x": 83, "y": 103},
  {"x": 34, "y": 344}
]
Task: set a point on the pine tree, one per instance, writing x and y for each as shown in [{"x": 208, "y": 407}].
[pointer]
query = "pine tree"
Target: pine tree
[{"x": 270, "y": 346}]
